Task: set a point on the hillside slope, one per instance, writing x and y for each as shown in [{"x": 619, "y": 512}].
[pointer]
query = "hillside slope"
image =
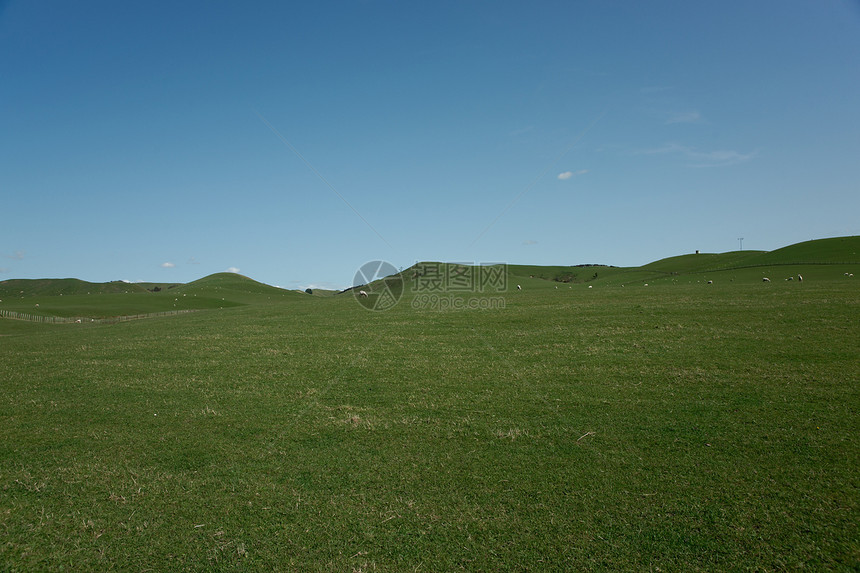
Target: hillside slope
[
  {"x": 830, "y": 258},
  {"x": 55, "y": 287},
  {"x": 235, "y": 287}
]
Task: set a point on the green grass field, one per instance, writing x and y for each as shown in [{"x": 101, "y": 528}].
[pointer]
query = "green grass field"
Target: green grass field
[{"x": 682, "y": 426}]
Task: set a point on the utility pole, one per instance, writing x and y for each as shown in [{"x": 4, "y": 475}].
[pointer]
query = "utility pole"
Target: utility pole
[{"x": 741, "y": 242}]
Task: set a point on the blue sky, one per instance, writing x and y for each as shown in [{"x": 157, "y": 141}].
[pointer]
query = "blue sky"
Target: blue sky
[{"x": 294, "y": 142}]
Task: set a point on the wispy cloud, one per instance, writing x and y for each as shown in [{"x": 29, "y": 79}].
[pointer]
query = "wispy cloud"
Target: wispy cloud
[
  {"x": 564, "y": 176},
  {"x": 717, "y": 158},
  {"x": 193, "y": 261},
  {"x": 167, "y": 265},
  {"x": 4, "y": 270},
  {"x": 684, "y": 117},
  {"x": 16, "y": 256},
  {"x": 668, "y": 148},
  {"x": 232, "y": 270},
  {"x": 302, "y": 285},
  {"x": 530, "y": 242}
]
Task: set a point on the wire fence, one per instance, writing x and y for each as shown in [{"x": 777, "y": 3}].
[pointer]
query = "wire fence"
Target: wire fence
[{"x": 82, "y": 319}]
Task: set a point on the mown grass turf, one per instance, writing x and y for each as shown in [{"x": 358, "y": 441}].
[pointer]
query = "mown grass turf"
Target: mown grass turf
[
  {"x": 681, "y": 426},
  {"x": 678, "y": 426}
]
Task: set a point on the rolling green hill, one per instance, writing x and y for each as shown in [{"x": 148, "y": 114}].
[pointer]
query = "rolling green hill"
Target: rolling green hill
[
  {"x": 839, "y": 250},
  {"x": 819, "y": 259},
  {"x": 679, "y": 427},
  {"x": 74, "y": 298},
  {"x": 53, "y": 287},
  {"x": 236, "y": 288},
  {"x": 702, "y": 262}
]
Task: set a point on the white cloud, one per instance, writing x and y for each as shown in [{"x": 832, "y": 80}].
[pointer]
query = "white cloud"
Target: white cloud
[
  {"x": 568, "y": 174},
  {"x": 167, "y": 265},
  {"x": 16, "y": 256},
  {"x": 720, "y": 158},
  {"x": 324, "y": 285},
  {"x": 3, "y": 270},
  {"x": 530, "y": 242},
  {"x": 193, "y": 261},
  {"x": 232, "y": 270},
  {"x": 716, "y": 158}
]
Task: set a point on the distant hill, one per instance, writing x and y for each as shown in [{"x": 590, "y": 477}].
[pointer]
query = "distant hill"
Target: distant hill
[
  {"x": 839, "y": 250},
  {"x": 76, "y": 298},
  {"x": 743, "y": 265},
  {"x": 235, "y": 287},
  {"x": 822, "y": 258},
  {"x": 232, "y": 281},
  {"x": 54, "y": 287}
]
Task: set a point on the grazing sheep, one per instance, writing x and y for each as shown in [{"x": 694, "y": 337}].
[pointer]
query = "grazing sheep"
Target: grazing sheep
[
  {"x": 78, "y": 321},
  {"x": 850, "y": 274},
  {"x": 519, "y": 287},
  {"x": 710, "y": 282},
  {"x": 800, "y": 278},
  {"x": 765, "y": 280},
  {"x": 362, "y": 293}
]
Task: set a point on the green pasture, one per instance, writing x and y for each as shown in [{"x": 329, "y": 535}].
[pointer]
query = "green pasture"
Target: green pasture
[{"x": 682, "y": 426}]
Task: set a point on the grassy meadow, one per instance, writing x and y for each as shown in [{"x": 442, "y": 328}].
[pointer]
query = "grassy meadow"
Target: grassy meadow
[{"x": 593, "y": 425}]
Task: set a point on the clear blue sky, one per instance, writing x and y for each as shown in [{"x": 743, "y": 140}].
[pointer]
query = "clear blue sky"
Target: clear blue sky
[{"x": 163, "y": 141}]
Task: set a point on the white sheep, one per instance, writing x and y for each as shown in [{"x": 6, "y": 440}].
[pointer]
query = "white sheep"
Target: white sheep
[
  {"x": 519, "y": 287},
  {"x": 765, "y": 280},
  {"x": 362, "y": 293},
  {"x": 800, "y": 278},
  {"x": 710, "y": 282}
]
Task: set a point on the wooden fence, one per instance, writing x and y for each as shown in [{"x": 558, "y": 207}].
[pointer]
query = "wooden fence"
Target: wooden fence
[{"x": 85, "y": 320}]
